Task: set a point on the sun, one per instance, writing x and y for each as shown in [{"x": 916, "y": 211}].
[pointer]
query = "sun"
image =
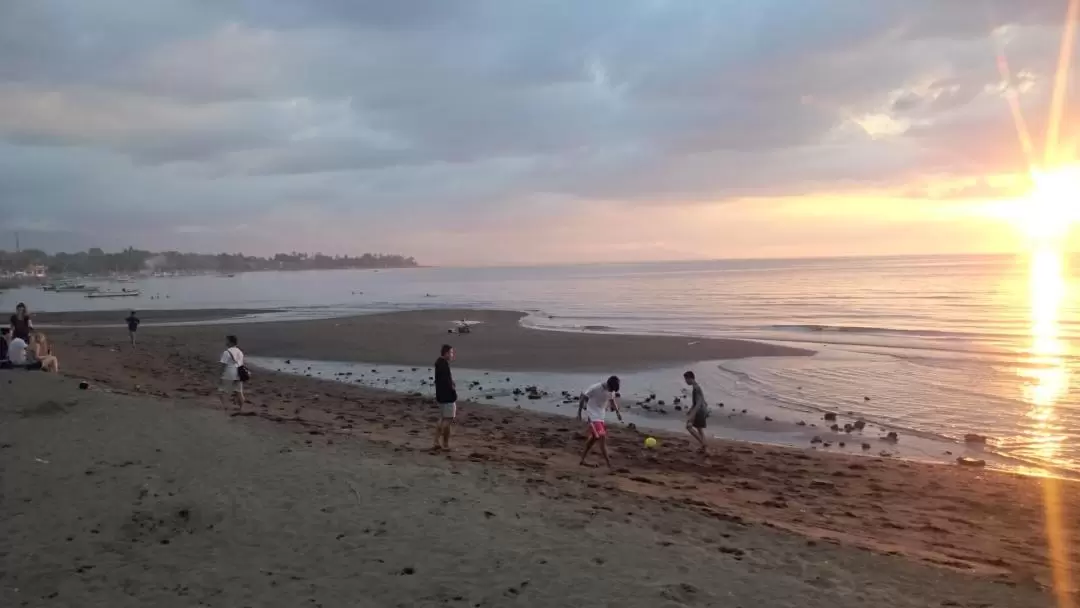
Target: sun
[{"x": 1053, "y": 205}]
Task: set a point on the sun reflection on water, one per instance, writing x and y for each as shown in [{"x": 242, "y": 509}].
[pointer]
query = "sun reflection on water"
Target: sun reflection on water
[{"x": 1046, "y": 377}]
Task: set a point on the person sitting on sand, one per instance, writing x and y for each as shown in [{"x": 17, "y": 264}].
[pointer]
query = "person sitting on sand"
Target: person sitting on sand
[
  {"x": 699, "y": 411},
  {"x": 230, "y": 386},
  {"x": 40, "y": 355},
  {"x": 133, "y": 326},
  {"x": 595, "y": 401},
  {"x": 5, "y": 335},
  {"x": 21, "y": 325},
  {"x": 18, "y": 354},
  {"x": 445, "y": 397}
]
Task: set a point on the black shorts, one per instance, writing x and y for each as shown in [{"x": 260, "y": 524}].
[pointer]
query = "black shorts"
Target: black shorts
[{"x": 699, "y": 419}]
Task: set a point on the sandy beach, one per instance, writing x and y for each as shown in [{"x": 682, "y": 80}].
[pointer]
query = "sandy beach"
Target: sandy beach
[{"x": 978, "y": 533}]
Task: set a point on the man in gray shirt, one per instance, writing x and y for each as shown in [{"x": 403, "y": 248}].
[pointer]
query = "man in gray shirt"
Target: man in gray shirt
[{"x": 699, "y": 411}]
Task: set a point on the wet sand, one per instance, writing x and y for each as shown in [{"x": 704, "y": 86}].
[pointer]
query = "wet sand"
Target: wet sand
[
  {"x": 973, "y": 521},
  {"x": 113, "y": 500},
  {"x": 498, "y": 342},
  {"x": 116, "y": 317}
]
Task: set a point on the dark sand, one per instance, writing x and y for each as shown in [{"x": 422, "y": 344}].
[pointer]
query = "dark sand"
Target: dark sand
[
  {"x": 132, "y": 501},
  {"x": 116, "y": 317},
  {"x": 973, "y": 521},
  {"x": 498, "y": 343}
]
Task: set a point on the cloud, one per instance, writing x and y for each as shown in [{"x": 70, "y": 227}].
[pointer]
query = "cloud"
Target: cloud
[{"x": 135, "y": 123}]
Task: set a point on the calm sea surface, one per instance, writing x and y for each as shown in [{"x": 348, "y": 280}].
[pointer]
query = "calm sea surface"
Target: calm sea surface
[{"x": 943, "y": 346}]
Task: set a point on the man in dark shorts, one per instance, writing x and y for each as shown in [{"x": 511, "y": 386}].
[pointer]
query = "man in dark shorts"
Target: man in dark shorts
[
  {"x": 445, "y": 397},
  {"x": 133, "y": 326},
  {"x": 699, "y": 411}
]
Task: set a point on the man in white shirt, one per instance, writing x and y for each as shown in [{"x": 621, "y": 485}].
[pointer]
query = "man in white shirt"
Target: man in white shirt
[
  {"x": 595, "y": 401},
  {"x": 231, "y": 386}
]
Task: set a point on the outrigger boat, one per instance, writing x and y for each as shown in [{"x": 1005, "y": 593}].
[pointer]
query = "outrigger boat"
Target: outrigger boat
[{"x": 114, "y": 294}]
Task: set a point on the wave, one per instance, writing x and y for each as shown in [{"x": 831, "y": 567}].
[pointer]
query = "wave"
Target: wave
[{"x": 858, "y": 329}]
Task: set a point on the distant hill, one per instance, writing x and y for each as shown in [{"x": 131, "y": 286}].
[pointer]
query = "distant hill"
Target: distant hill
[{"x": 131, "y": 261}]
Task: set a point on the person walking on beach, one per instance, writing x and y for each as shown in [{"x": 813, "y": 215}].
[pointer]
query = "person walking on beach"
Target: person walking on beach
[
  {"x": 133, "y": 326},
  {"x": 595, "y": 401},
  {"x": 445, "y": 397},
  {"x": 231, "y": 387},
  {"x": 699, "y": 411},
  {"x": 21, "y": 325}
]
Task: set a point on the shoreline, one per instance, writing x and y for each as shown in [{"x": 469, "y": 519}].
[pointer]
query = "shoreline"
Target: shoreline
[{"x": 939, "y": 515}]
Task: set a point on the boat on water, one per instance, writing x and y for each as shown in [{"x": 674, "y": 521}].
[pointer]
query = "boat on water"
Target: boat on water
[
  {"x": 75, "y": 287},
  {"x": 126, "y": 293}
]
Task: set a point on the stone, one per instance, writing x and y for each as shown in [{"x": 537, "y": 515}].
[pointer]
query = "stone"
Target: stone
[
  {"x": 767, "y": 419},
  {"x": 816, "y": 439},
  {"x": 973, "y": 438},
  {"x": 835, "y": 428},
  {"x": 859, "y": 425},
  {"x": 830, "y": 417},
  {"x": 964, "y": 461},
  {"x": 800, "y": 423},
  {"x": 891, "y": 437},
  {"x": 866, "y": 446},
  {"x": 678, "y": 408},
  {"x": 84, "y": 386},
  {"x": 866, "y": 398}
]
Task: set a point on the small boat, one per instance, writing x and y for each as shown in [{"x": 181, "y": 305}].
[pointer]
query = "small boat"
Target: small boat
[
  {"x": 76, "y": 287},
  {"x": 114, "y": 294}
]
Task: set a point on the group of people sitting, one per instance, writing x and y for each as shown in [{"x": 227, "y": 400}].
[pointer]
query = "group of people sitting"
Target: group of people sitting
[{"x": 23, "y": 347}]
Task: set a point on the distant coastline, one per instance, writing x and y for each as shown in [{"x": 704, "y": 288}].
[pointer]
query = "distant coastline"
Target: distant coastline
[{"x": 30, "y": 265}]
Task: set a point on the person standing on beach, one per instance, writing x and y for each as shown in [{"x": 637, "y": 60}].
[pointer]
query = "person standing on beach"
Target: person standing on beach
[
  {"x": 445, "y": 397},
  {"x": 21, "y": 325},
  {"x": 230, "y": 386},
  {"x": 595, "y": 401},
  {"x": 133, "y": 326},
  {"x": 699, "y": 411}
]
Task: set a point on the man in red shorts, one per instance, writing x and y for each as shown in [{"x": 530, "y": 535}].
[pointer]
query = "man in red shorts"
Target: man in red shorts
[{"x": 595, "y": 402}]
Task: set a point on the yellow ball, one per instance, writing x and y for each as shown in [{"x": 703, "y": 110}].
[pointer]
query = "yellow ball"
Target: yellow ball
[{"x": 650, "y": 442}]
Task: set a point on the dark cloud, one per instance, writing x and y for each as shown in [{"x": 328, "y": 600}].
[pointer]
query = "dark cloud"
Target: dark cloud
[{"x": 125, "y": 117}]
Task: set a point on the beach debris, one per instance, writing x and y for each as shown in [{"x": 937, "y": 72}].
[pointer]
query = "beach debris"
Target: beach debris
[
  {"x": 865, "y": 446},
  {"x": 744, "y": 411},
  {"x": 964, "y": 461},
  {"x": 866, "y": 398},
  {"x": 829, "y": 417},
  {"x": 891, "y": 437},
  {"x": 842, "y": 444},
  {"x": 84, "y": 386},
  {"x": 408, "y": 571},
  {"x": 816, "y": 439},
  {"x": 973, "y": 438},
  {"x": 767, "y": 419}
]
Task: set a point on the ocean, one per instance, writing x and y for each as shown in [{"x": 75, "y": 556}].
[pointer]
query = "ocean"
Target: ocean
[{"x": 937, "y": 347}]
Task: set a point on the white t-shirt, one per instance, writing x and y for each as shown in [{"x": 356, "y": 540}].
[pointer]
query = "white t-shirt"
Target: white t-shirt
[
  {"x": 17, "y": 351},
  {"x": 597, "y": 405},
  {"x": 233, "y": 358}
]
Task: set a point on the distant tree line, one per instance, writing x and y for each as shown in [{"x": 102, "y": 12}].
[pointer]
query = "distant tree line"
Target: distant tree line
[{"x": 130, "y": 261}]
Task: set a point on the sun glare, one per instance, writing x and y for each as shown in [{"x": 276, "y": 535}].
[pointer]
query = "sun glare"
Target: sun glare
[{"x": 1053, "y": 205}]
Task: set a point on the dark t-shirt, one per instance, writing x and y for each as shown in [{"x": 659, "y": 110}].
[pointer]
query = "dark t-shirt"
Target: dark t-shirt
[
  {"x": 20, "y": 328},
  {"x": 3, "y": 349},
  {"x": 132, "y": 322},
  {"x": 444, "y": 382}
]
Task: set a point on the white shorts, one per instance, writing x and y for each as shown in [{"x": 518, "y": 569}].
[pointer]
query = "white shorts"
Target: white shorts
[{"x": 231, "y": 386}]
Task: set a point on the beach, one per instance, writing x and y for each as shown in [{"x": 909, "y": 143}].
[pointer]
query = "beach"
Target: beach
[
  {"x": 956, "y": 521},
  {"x": 115, "y": 500}
]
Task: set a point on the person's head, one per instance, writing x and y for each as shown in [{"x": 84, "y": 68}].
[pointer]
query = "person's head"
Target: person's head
[
  {"x": 689, "y": 377},
  {"x": 38, "y": 338},
  {"x": 133, "y": 313},
  {"x": 447, "y": 352},
  {"x": 231, "y": 341},
  {"x": 20, "y": 310},
  {"x": 612, "y": 384}
]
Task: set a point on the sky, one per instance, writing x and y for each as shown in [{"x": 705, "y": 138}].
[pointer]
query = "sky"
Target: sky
[{"x": 486, "y": 132}]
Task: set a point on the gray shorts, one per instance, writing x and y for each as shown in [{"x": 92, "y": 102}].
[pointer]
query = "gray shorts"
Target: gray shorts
[
  {"x": 448, "y": 410},
  {"x": 231, "y": 387}
]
